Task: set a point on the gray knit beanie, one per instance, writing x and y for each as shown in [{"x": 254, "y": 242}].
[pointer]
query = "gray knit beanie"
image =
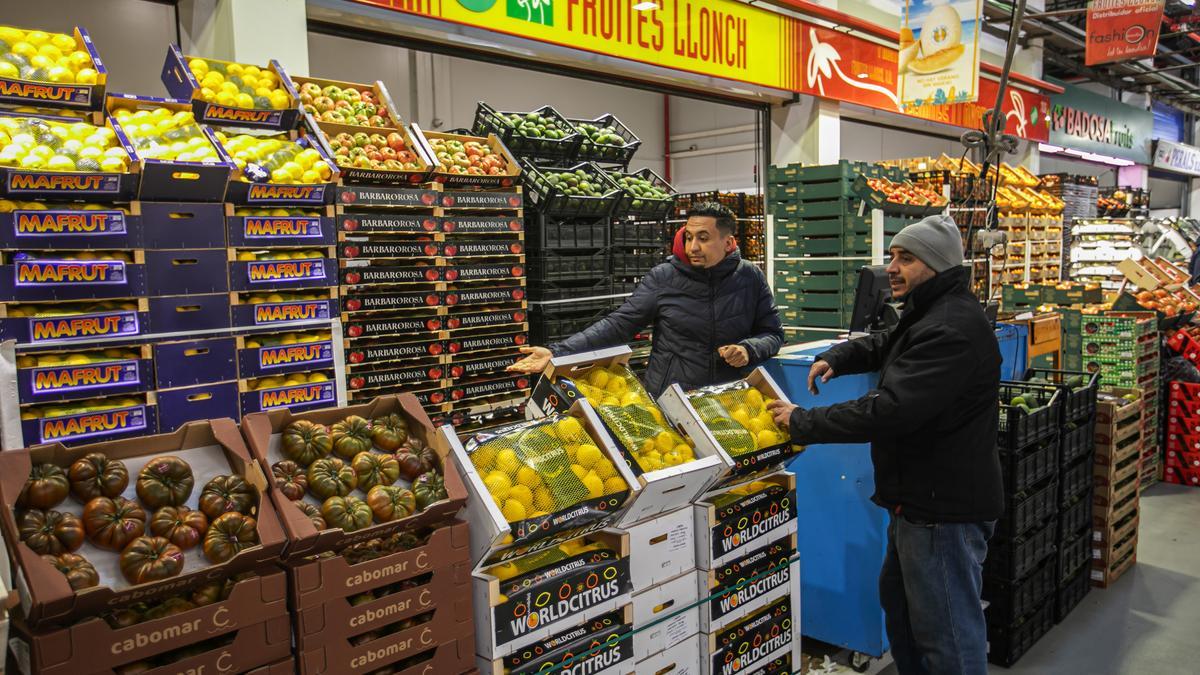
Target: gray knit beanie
[{"x": 935, "y": 241}]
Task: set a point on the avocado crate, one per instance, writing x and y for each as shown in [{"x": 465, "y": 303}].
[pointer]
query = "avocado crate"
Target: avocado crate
[
  {"x": 489, "y": 120},
  {"x": 1072, "y": 554},
  {"x": 1074, "y": 517},
  {"x": 609, "y": 153},
  {"x": 641, "y": 234},
  {"x": 634, "y": 206},
  {"x": 1021, "y": 422},
  {"x": 636, "y": 263},
  {"x": 554, "y": 321},
  {"x": 1024, "y": 468},
  {"x": 1078, "y": 390},
  {"x": 812, "y": 210},
  {"x": 833, "y": 225},
  {"x": 1078, "y": 439},
  {"x": 1026, "y": 509},
  {"x": 1007, "y": 644},
  {"x": 547, "y": 194},
  {"x": 1013, "y": 558},
  {"x": 1075, "y": 480},
  {"x": 568, "y": 265},
  {"x": 1011, "y": 600}
]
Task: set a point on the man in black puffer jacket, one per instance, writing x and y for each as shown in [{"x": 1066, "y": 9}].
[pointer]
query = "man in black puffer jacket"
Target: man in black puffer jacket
[
  {"x": 713, "y": 315},
  {"x": 932, "y": 423}
]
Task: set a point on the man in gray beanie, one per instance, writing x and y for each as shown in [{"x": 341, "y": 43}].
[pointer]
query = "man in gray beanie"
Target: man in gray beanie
[{"x": 932, "y": 425}]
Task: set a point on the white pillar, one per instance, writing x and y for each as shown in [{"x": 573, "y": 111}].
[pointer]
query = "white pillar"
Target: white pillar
[
  {"x": 807, "y": 131},
  {"x": 248, "y": 31}
]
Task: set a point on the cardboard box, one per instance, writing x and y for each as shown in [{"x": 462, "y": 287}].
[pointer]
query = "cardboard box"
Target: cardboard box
[
  {"x": 682, "y": 658},
  {"x": 177, "y": 407},
  {"x": 1112, "y": 552},
  {"x": 512, "y": 170},
  {"x": 190, "y": 225},
  {"x": 186, "y": 272},
  {"x": 90, "y": 186},
  {"x": 682, "y": 413},
  {"x": 508, "y": 619},
  {"x": 1110, "y": 489},
  {"x": 47, "y": 598},
  {"x": 126, "y": 416},
  {"x": 84, "y": 326},
  {"x": 56, "y": 278},
  {"x": 181, "y": 84},
  {"x": 282, "y": 275},
  {"x": 452, "y": 656},
  {"x": 322, "y": 591},
  {"x": 377, "y": 195},
  {"x": 745, "y": 524},
  {"x": 268, "y": 360},
  {"x": 296, "y": 397},
  {"x": 662, "y": 490},
  {"x": 93, "y": 646},
  {"x": 278, "y": 315},
  {"x": 21, "y": 92},
  {"x": 1111, "y": 468},
  {"x": 315, "y": 228},
  {"x": 666, "y": 548},
  {"x": 184, "y": 314},
  {"x": 282, "y": 667},
  {"x": 666, "y": 615},
  {"x": 492, "y": 534},
  {"x": 1103, "y": 577},
  {"x": 66, "y": 228},
  {"x": 744, "y": 585},
  {"x": 753, "y": 644},
  {"x": 375, "y": 176},
  {"x": 262, "y": 431},
  {"x": 1111, "y": 526},
  {"x": 603, "y": 645},
  {"x": 41, "y": 384},
  {"x": 193, "y": 362}
]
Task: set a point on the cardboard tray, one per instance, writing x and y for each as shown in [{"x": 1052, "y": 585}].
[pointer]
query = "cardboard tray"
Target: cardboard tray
[
  {"x": 382, "y": 98},
  {"x": 364, "y": 176},
  {"x": 754, "y": 521},
  {"x": 181, "y": 84},
  {"x": 315, "y": 228},
  {"x": 46, "y": 597},
  {"x": 42, "y": 384},
  {"x": 602, "y": 645},
  {"x": 666, "y": 548},
  {"x": 277, "y": 316},
  {"x": 507, "y": 179},
  {"x": 92, "y": 645},
  {"x": 302, "y": 538},
  {"x": 681, "y": 658},
  {"x": 51, "y": 279},
  {"x": 64, "y": 228},
  {"x": 18, "y": 92},
  {"x": 755, "y": 642},
  {"x": 666, "y": 614},
  {"x": 744, "y": 585}
]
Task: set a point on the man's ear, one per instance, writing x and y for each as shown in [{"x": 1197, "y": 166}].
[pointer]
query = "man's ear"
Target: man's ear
[{"x": 731, "y": 244}]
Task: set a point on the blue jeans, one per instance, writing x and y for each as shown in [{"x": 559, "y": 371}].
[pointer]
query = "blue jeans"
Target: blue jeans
[{"x": 930, "y": 588}]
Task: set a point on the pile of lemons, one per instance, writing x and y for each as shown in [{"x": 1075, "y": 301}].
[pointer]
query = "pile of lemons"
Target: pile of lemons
[
  {"x": 39, "y": 56},
  {"x": 161, "y": 133},
  {"x": 634, "y": 418},
  {"x": 748, "y": 408},
  {"x": 77, "y": 358},
  {"x": 521, "y": 492},
  {"x": 77, "y": 407},
  {"x": 68, "y": 309},
  {"x": 237, "y": 85},
  {"x": 35, "y": 143},
  {"x": 286, "y": 160},
  {"x": 293, "y": 380},
  {"x": 251, "y": 256}
]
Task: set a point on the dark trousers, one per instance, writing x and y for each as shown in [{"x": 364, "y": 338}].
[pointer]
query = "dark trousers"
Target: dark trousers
[{"x": 930, "y": 587}]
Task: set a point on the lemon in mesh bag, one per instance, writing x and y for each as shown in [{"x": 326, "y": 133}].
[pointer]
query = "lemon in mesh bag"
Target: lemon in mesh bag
[
  {"x": 738, "y": 418},
  {"x": 534, "y": 469},
  {"x": 633, "y": 418}
]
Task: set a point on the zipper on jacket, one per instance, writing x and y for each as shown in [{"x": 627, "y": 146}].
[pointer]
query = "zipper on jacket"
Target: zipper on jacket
[{"x": 712, "y": 322}]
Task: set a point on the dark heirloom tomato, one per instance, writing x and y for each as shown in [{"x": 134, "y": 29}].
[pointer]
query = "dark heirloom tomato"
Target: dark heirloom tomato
[
  {"x": 165, "y": 481},
  {"x": 207, "y": 594},
  {"x": 95, "y": 475},
  {"x": 348, "y": 513},
  {"x": 429, "y": 488},
  {"x": 148, "y": 559},
  {"x": 228, "y": 535},
  {"x": 429, "y": 457},
  {"x": 113, "y": 523},
  {"x": 305, "y": 442},
  {"x": 390, "y": 432},
  {"x": 50, "y": 532},
  {"x": 79, "y": 572},
  {"x": 390, "y": 503},
  {"x": 291, "y": 479},
  {"x": 169, "y": 607},
  {"x": 410, "y": 465},
  {"x": 180, "y": 525},
  {"x": 314, "y": 515},
  {"x": 331, "y": 477},
  {"x": 45, "y": 488},
  {"x": 373, "y": 469},
  {"x": 225, "y": 494},
  {"x": 351, "y": 436}
]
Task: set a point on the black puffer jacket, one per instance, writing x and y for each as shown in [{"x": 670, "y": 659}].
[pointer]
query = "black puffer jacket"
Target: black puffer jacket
[
  {"x": 932, "y": 419},
  {"x": 694, "y": 311}
]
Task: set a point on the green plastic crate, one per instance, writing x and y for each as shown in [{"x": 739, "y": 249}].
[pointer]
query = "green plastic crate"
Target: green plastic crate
[
  {"x": 822, "y": 209},
  {"x": 799, "y": 335},
  {"x": 814, "y": 300},
  {"x": 797, "y": 266},
  {"x": 820, "y": 318},
  {"x": 1073, "y": 296},
  {"x": 1110, "y": 326},
  {"x": 798, "y": 283},
  {"x": 798, "y": 247},
  {"x": 844, "y": 169},
  {"x": 1011, "y": 296},
  {"x": 823, "y": 226}
]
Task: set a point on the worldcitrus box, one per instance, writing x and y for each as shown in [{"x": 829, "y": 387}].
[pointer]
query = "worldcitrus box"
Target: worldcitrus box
[
  {"x": 77, "y": 378},
  {"x": 666, "y": 548},
  {"x": 756, "y": 642},
  {"x": 665, "y": 615},
  {"x": 315, "y": 227},
  {"x": 62, "y": 275},
  {"x": 112, "y": 418},
  {"x": 92, "y": 645},
  {"x": 182, "y": 84},
  {"x": 64, "y": 227},
  {"x": 19, "y": 92},
  {"x": 682, "y": 658},
  {"x": 91, "y": 186},
  {"x": 732, "y": 522},
  {"x": 599, "y": 646},
  {"x": 524, "y": 601},
  {"x": 48, "y": 599},
  {"x": 262, "y": 432},
  {"x": 663, "y": 489},
  {"x": 742, "y": 586}
]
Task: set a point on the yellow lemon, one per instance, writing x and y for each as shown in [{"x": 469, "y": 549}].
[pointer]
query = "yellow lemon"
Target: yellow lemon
[
  {"x": 528, "y": 477},
  {"x": 544, "y": 501},
  {"x": 684, "y": 451},
  {"x": 766, "y": 438},
  {"x": 630, "y": 398},
  {"x": 513, "y": 511},
  {"x": 741, "y": 416},
  {"x": 665, "y": 440},
  {"x": 37, "y": 38},
  {"x": 671, "y": 459},
  {"x": 246, "y": 256},
  {"x": 506, "y": 461},
  {"x": 199, "y": 67},
  {"x": 589, "y": 455},
  {"x": 754, "y": 399},
  {"x": 598, "y": 378},
  {"x": 604, "y": 470},
  {"x": 757, "y": 426},
  {"x": 579, "y": 471},
  {"x": 522, "y": 495},
  {"x": 504, "y": 571},
  {"x": 499, "y": 485},
  {"x": 569, "y": 429},
  {"x": 484, "y": 458},
  {"x": 594, "y": 485},
  {"x": 226, "y": 99},
  {"x": 610, "y": 400},
  {"x": 617, "y": 385},
  {"x": 244, "y": 100},
  {"x": 9, "y": 70},
  {"x": 317, "y": 377},
  {"x": 614, "y": 484}
]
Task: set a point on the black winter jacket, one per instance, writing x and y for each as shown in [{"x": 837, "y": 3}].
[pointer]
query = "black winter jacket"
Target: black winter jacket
[
  {"x": 694, "y": 311},
  {"x": 932, "y": 420}
]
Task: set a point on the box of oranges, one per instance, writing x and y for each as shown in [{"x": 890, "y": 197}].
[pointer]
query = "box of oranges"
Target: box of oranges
[
  {"x": 536, "y": 479},
  {"x": 732, "y": 420},
  {"x": 224, "y": 93},
  {"x": 26, "y": 225},
  {"x": 179, "y": 160},
  {"x": 62, "y": 158},
  {"x": 53, "y": 70},
  {"x": 670, "y": 471}
]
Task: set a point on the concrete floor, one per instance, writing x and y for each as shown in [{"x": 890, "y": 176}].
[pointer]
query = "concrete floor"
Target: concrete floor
[{"x": 1149, "y": 621}]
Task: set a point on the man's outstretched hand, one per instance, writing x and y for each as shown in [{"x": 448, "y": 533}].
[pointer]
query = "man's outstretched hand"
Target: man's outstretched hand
[
  {"x": 735, "y": 355},
  {"x": 535, "y": 362},
  {"x": 822, "y": 370},
  {"x": 782, "y": 412}
]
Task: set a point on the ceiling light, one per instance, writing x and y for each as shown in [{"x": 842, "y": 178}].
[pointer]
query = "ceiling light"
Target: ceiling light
[{"x": 645, "y": 6}]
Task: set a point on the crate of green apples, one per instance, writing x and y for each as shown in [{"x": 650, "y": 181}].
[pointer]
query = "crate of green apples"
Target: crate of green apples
[{"x": 539, "y": 134}]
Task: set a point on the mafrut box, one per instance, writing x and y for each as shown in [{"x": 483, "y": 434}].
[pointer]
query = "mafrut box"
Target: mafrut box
[
  {"x": 118, "y": 486},
  {"x": 79, "y": 85},
  {"x": 747, "y": 517},
  {"x": 267, "y": 310},
  {"x": 602, "y": 645},
  {"x": 671, "y": 473},
  {"x": 386, "y": 424},
  {"x": 31, "y": 225},
  {"x": 536, "y": 479},
  {"x": 311, "y": 390},
  {"x": 267, "y": 227},
  {"x": 26, "y": 173},
  {"x": 88, "y": 420},
  {"x": 266, "y": 271},
  {"x": 74, "y": 322},
  {"x": 525, "y": 600},
  {"x": 72, "y": 275},
  {"x": 64, "y": 376},
  {"x": 732, "y": 421},
  {"x": 278, "y": 171},
  {"x": 761, "y": 642},
  {"x": 200, "y": 80}
]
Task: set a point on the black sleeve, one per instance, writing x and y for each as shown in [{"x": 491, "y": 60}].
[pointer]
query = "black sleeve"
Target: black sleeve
[
  {"x": 767, "y": 334},
  {"x": 860, "y": 355},
  {"x": 929, "y": 376},
  {"x": 620, "y": 326}
]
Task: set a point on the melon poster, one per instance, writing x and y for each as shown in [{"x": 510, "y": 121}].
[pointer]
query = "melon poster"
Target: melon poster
[{"x": 939, "y": 52}]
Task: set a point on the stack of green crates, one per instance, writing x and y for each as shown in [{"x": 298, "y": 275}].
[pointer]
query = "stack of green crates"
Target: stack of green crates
[
  {"x": 822, "y": 238},
  {"x": 1124, "y": 349}
]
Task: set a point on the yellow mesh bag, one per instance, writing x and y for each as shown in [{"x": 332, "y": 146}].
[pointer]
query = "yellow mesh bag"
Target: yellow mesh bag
[
  {"x": 737, "y": 415},
  {"x": 633, "y": 418},
  {"x": 542, "y": 559},
  {"x": 534, "y": 469},
  {"x": 731, "y": 496}
]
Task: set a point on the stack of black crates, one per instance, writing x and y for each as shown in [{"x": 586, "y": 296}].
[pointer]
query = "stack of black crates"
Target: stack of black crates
[{"x": 1038, "y": 560}]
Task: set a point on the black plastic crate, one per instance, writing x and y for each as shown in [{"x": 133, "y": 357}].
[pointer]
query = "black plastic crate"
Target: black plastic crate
[
  {"x": 1016, "y": 557},
  {"x": 1075, "y": 517},
  {"x": 628, "y": 264},
  {"x": 573, "y": 291},
  {"x": 1078, "y": 439},
  {"x": 1007, "y": 644},
  {"x": 640, "y": 207},
  {"x": 1071, "y": 556},
  {"x": 642, "y": 234},
  {"x": 604, "y": 153},
  {"x": 1020, "y": 429},
  {"x": 489, "y": 120},
  {"x": 1071, "y": 593},
  {"x": 552, "y": 322},
  {"x": 546, "y": 195},
  {"x": 1075, "y": 480},
  {"x": 1022, "y": 469},
  {"x": 1079, "y": 402},
  {"x": 1008, "y": 601},
  {"x": 1028, "y": 509},
  {"x": 553, "y": 233},
  {"x": 557, "y": 266}
]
